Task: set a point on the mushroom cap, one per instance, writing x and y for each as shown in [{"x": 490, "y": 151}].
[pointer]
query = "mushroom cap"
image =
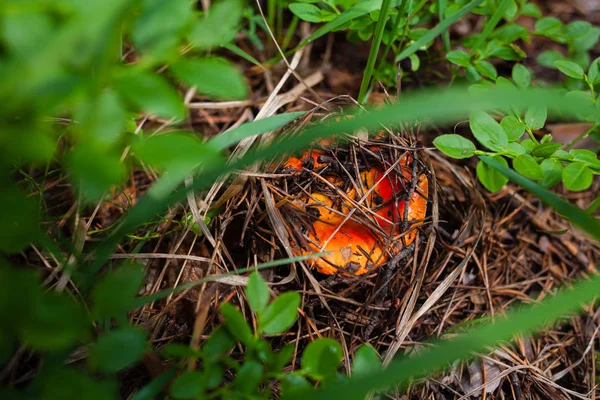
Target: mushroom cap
[{"x": 361, "y": 240}]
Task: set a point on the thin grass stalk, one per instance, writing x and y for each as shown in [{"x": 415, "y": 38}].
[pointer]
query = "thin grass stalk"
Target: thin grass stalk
[
  {"x": 395, "y": 26},
  {"x": 441, "y": 14},
  {"x": 490, "y": 25},
  {"x": 383, "y": 14}
]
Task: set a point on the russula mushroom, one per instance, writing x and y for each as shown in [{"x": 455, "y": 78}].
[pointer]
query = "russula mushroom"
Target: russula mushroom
[{"x": 362, "y": 214}]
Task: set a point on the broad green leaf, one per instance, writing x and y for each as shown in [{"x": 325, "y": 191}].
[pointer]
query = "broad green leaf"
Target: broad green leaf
[
  {"x": 117, "y": 349},
  {"x": 521, "y": 75},
  {"x": 190, "y": 384},
  {"x": 535, "y": 118},
  {"x": 489, "y": 177},
  {"x": 281, "y": 314},
  {"x": 322, "y": 358},
  {"x": 569, "y": 68},
  {"x": 248, "y": 377},
  {"x": 513, "y": 127},
  {"x": 294, "y": 383},
  {"x": 114, "y": 294},
  {"x": 218, "y": 26},
  {"x": 306, "y": 12},
  {"x": 487, "y": 131},
  {"x": 160, "y": 25},
  {"x": 151, "y": 93},
  {"x": 366, "y": 360},
  {"x": 236, "y": 324},
  {"x": 528, "y": 167},
  {"x": 257, "y": 293},
  {"x": 577, "y": 176},
  {"x": 586, "y": 42},
  {"x": 215, "y": 77},
  {"x": 545, "y": 149},
  {"x": 454, "y": 146},
  {"x": 577, "y": 29},
  {"x": 459, "y": 57},
  {"x": 552, "y": 172},
  {"x": 487, "y": 69},
  {"x": 94, "y": 172},
  {"x": 20, "y": 216}
]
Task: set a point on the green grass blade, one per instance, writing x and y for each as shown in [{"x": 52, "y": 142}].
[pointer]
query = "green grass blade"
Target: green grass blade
[
  {"x": 236, "y": 50},
  {"x": 229, "y": 138},
  {"x": 578, "y": 217},
  {"x": 437, "y": 30},
  {"x": 491, "y": 24},
  {"x": 519, "y": 321},
  {"x": 441, "y": 14},
  {"x": 375, "y": 44}
]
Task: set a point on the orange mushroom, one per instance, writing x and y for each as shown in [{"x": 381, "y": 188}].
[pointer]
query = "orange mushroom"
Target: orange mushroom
[{"x": 362, "y": 224}]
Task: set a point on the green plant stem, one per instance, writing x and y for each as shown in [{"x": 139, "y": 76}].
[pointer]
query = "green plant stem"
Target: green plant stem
[
  {"x": 290, "y": 33},
  {"x": 490, "y": 25},
  {"x": 271, "y": 9},
  {"x": 580, "y": 138},
  {"x": 383, "y": 14}
]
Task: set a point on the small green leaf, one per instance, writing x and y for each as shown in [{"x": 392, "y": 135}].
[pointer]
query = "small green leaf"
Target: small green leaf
[
  {"x": 549, "y": 26},
  {"x": 151, "y": 93},
  {"x": 114, "y": 294},
  {"x": 487, "y": 69},
  {"x": 454, "y": 146},
  {"x": 528, "y": 167},
  {"x": 582, "y": 44},
  {"x": 535, "y": 118},
  {"x": 577, "y": 176},
  {"x": 584, "y": 155},
  {"x": 283, "y": 357},
  {"x": 307, "y": 12},
  {"x": 521, "y": 75},
  {"x": 117, "y": 349},
  {"x": 577, "y": 29},
  {"x": 552, "y": 172},
  {"x": 215, "y": 77},
  {"x": 569, "y": 68},
  {"x": 545, "y": 149},
  {"x": 189, "y": 384},
  {"x": 459, "y": 57},
  {"x": 531, "y": 10},
  {"x": 547, "y": 58},
  {"x": 593, "y": 72},
  {"x": 20, "y": 216},
  {"x": 513, "y": 127},
  {"x": 281, "y": 314},
  {"x": 248, "y": 377},
  {"x": 218, "y": 344},
  {"x": 219, "y": 24},
  {"x": 516, "y": 148},
  {"x": 236, "y": 324},
  {"x": 94, "y": 171},
  {"x": 257, "y": 293},
  {"x": 366, "y": 360},
  {"x": 490, "y": 178},
  {"x": 487, "y": 131},
  {"x": 293, "y": 383},
  {"x": 322, "y": 358}
]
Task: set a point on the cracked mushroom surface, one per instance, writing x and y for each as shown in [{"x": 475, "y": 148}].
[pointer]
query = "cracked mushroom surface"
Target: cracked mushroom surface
[{"x": 362, "y": 202}]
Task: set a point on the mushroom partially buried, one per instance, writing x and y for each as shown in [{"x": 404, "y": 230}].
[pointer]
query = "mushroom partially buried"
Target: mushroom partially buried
[{"x": 361, "y": 200}]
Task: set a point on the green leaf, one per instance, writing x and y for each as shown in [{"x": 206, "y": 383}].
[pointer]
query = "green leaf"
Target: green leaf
[
  {"x": 521, "y": 75},
  {"x": 236, "y": 324},
  {"x": 552, "y": 172},
  {"x": 102, "y": 120},
  {"x": 366, "y": 360},
  {"x": 322, "y": 358},
  {"x": 114, "y": 293},
  {"x": 281, "y": 314},
  {"x": 577, "y": 176},
  {"x": 569, "y": 68},
  {"x": 151, "y": 93},
  {"x": 516, "y": 148},
  {"x": 584, "y": 155},
  {"x": 283, "y": 357},
  {"x": 307, "y": 12},
  {"x": 531, "y": 10},
  {"x": 454, "y": 146},
  {"x": 459, "y": 57},
  {"x": 487, "y": 69},
  {"x": 218, "y": 344},
  {"x": 513, "y": 127},
  {"x": 499, "y": 13},
  {"x": 577, "y": 29},
  {"x": 593, "y": 72},
  {"x": 490, "y": 178},
  {"x": 155, "y": 386},
  {"x": 545, "y": 149},
  {"x": 159, "y": 26},
  {"x": 487, "y": 131},
  {"x": 547, "y": 58},
  {"x": 189, "y": 384},
  {"x": 586, "y": 42},
  {"x": 248, "y": 377},
  {"x": 213, "y": 76},
  {"x": 20, "y": 216},
  {"x": 437, "y": 30},
  {"x": 528, "y": 167},
  {"x": 294, "y": 383},
  {"x": 549, "y": 26},
  {"x": 218, "y": 25},
  {"x": 93, "y": 171},
  {"x": 535, "y": 118},
  {"x": 257, "y": 293},
  {"x": 71, "y": 383},
  {"x": 117, "y": 349}
]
